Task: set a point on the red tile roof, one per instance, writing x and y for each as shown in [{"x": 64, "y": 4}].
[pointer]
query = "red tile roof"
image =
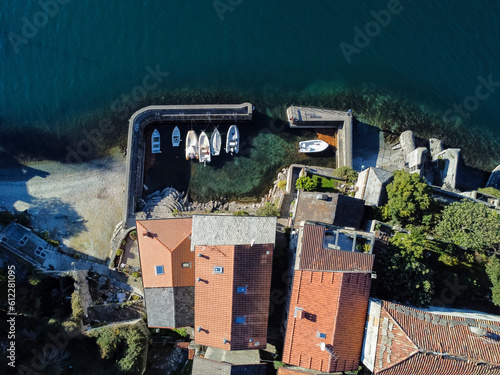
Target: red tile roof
[
  {"x": 217, "y": 302},
  {"x": 314, "y": 257},
  {"x": 334, "y": 304},
  {"x": 445, "y": 343},
  {"x": 165, "y": 243}
]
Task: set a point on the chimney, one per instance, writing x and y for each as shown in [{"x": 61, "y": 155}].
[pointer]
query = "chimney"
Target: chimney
[{"x": 299, "y": 313}]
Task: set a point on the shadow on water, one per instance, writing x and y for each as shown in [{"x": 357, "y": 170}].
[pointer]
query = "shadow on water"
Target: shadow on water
[{"x": 266, "y": 145}]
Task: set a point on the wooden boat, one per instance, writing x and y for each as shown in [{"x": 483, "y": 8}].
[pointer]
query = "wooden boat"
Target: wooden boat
[
  {"x": 215, "y": 142},
  {"x": 191, "y": 145},
  {"x": 315, "y": 145},
  {"x": 204, "y": 149},
  {"x": 176, "y": 137},
  {"x": 233, "y": 140},
  {"x": 155, "y": 142}
]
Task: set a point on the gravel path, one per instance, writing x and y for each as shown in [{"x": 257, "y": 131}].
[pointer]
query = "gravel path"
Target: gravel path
[{"x": 79, "y": 204}]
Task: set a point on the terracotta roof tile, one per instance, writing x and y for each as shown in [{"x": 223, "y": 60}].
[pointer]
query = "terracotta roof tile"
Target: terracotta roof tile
[
  {"x": 165, "y": 243},
  {"x": 334, "y": 305},
  {"x": 218, "y": 304},
  {"x": 449, "y": 344},
  {"x": 314, "y": 257}
]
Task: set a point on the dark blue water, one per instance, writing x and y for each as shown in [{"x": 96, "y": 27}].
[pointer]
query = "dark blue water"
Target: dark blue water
[{"x": 86, "y": 58}]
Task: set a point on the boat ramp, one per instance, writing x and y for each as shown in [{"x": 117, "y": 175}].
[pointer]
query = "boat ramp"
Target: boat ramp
[{"x": 320, "y": 118}]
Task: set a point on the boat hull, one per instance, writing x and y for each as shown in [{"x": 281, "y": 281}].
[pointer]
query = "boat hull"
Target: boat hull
[
  {"x": 215, "y": 142},
  {"x": 204, "y": 155},
  {"x": 155, "y": 142},
  {"x": 176, "y": 137},
  {"x": 233, "y": 140},
  {"x": 315, "y": 145},
  {"x": 191, "y": 145}
]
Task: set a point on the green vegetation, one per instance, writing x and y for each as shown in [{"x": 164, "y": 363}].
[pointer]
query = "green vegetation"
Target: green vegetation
[
  {"x": 470, "y": 225},
  {"x": 316, "y": 183},
  {"x": 490, "y": 191},
  {"x": 347, "y": 173},
  {"x": 493, "y": 271},
  {"x": 186, "y": 370},
  {"x": 241, "y": 213},
  {"x": 136, "y": 274},
  {"x": 180, "y": 331},
  {"x": 306, "y": 183},
  {"x": 76, "y": 306},
  {"x": 119, "y": 252},
  {"x": 282, "y": 184},
  {"x": 23, "y": 218},
  {"x": 269, "y": 209},
  {"x": 409, "y": 198},
  {"x": 127, "y": 345},
  {"x": 278, "y": 364},
  {"x": 133, "y": 235}
]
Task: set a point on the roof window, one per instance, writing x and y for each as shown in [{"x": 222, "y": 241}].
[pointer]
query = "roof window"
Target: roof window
[
  {"x": 159, "y": 270},
  {"x": 321, "y": 335},
  {"x": 241, "y": 289},
  {"x": 241, "y": 320},
  {"x": 218, "y": 269}
]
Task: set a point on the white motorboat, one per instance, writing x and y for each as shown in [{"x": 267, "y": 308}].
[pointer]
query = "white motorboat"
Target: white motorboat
[
  {"x": 204, "y": 149},
  {"x": 233, "y": 140},
  {"x": 315, "y": 145},
  {"x": 191, "y": 145},
  {"x": 215, "y": 142},
  {"x": 155, "y": 142},
  {"x": 176, "y": 137}
]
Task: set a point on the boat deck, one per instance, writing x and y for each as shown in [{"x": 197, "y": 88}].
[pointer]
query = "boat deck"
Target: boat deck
[
  {"x": 328, "y": 135},
  {"x": 308, "y": 117}
]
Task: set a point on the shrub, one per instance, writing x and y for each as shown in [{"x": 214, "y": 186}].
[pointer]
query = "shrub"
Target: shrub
[
  {"x": 53, "y": 242},
  {"x": 282, "y": 184},
  {"x": 119, "y": 252},
  {"x": 490, "y": 191},
  {"x": 180, "y": 331},
  {"x": 76, "y": 306},
  {"x": 136, "y": 274},
  {"x": 241, "y": 213},
  {"x": 347, "y": 173},
  {"x": 278, "y": 364},
  {"x": 133, "y": 235},
  {"x": 269, "y": 209},
  {"x": 306, "y": 183}
]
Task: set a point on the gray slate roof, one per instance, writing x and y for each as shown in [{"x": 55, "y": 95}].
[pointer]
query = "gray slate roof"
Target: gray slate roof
[
  {"x": 170, "y": 307},
  {"x": 203, "y": 366},
  {"x": 382, "y": 174},
  {"x": 232, "y": 230}
]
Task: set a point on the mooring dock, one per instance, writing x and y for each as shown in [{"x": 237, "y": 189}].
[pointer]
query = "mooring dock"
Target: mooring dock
[
  {"x": 320, "y": 118},
  {"x": 163, "y": 114}
]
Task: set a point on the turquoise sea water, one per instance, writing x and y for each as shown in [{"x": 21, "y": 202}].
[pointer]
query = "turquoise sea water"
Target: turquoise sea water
[{"x": 85, "y": 57}]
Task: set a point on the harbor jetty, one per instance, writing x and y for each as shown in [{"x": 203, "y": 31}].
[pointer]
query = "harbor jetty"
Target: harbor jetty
[
  {"x": 320, "y": 118},
  {"x": 167, "y": 114}
]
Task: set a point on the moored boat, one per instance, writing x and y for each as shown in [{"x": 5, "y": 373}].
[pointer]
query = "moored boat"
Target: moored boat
[
  {"x": 204, "y": 149},
  {"x": 191, "y": 145},
  {"x": 315, "y": 145},
  {"x": 233, "y": 140},
  {"x": 176, "y": 137},
  {"x": 215, "y": 142},
  {"x": 155, "y": 142}
]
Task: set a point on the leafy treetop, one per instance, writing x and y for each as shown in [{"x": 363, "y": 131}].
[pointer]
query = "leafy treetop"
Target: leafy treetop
[
  {"x": 409, "y": 198},
  {"x": 470, "y": 225}
]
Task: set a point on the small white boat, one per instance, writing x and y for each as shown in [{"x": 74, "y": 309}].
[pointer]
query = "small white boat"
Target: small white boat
[
  {"x": 155, "y": 142},
  {"x": 215, "y": 142},
  {"x": 204, "y": 149},
  {"x": 233, "y": 140},
  {"x": 315, "y": 145},
  {"x": 191, "y": 145},
  {"x": 176, "y": 137}
]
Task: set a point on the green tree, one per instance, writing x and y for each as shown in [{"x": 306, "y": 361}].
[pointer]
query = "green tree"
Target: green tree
[
  {"x": 413, "y": 244},
  {"x": 346, "y": 172},
  {"x": 306, "y": 183},
  {"x": 403, "y": 278},
  {"x": 409, "y": 198},
  {"x": 493, "y": 271},
  {"x": 490, "y": 191},
  {"x": 470, "y": 225},
  {"x": 269, "y": 209}
]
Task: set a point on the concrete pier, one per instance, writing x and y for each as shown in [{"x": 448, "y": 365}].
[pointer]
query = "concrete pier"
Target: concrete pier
[
  {"x": 162, "y": 114},
  {"x": 319, "y": 118}
]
